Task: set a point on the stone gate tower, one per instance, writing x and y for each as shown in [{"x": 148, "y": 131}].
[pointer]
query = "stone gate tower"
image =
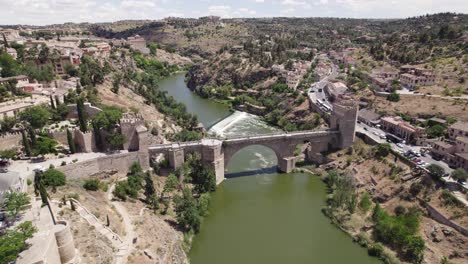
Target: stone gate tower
[{"x": 343, "y": 119}]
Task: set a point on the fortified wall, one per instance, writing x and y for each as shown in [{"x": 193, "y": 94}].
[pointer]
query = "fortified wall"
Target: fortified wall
[{"x": 10, "y": 140}]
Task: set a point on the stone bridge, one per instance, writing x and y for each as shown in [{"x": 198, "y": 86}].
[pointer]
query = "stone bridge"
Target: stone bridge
[{"x": 217, "y": 152}]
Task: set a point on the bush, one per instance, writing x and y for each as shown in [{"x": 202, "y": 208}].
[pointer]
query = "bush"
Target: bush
[
  {"x": 393, "y": 97},
  {"x": 91, "y": 184},
  {"x": 436, "y": 171},
  {"x": 365, "y": 202},
  {"x": 383, "y": 149},
  {"x": 376, "y": 250},
  {"x": 459, "y": 175},
  {"x": 53, "y": 178},
  {"x": 416, "y": 188}
]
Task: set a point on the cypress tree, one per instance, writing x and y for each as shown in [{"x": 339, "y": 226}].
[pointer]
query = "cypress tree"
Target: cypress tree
[
  {"x": 52, "y": 104},
  {"x": 149, "y": 186},
  {"x": 71, "y": 142},
  {"x": 82, "y": 115},
  {"x": 27, "y": 147},
  {"x": 72, "y": 204},
  {"x": 32, "y": 135},
  {"x": 97, "y": 136},
  {"x": 57, "y": 101}
]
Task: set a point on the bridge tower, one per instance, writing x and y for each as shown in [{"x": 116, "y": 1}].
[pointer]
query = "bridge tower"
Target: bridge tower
[{"x": 343, "y": 119}]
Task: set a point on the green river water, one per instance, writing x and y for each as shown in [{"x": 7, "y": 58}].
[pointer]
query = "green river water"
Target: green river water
[{"x": 259, "y": 216}]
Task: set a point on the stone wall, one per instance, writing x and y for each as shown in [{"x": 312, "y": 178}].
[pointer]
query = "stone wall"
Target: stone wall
[
  {"x": 434, "y": 214},
  {"x": 89, "y": 109},
  {"x": 59, "y": 136},
  {"x": 10, "y": 140},
  {"x": 115, "y": 162}
]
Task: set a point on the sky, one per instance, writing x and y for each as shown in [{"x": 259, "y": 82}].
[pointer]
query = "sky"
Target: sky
[{"x": 44, "y": 12}]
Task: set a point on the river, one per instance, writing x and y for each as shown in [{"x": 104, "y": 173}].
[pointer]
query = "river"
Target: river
[{"x": 257, "y": 215}]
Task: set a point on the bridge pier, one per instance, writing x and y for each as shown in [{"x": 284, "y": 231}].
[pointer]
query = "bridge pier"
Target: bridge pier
[
  {"x": 176, "y": 157},
  {"x": 287, "y": 164}
]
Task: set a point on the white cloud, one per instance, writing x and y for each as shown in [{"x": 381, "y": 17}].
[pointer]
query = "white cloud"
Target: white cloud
[
  {"x": 296, "y": 3},
  {"x": 220, "y": 10}
]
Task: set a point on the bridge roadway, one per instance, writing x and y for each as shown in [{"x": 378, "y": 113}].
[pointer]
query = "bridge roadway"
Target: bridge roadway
[{"x": 217, "y": 152}]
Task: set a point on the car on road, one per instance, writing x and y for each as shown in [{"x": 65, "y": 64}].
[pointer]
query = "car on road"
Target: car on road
[
  {"x": 375, "y": 133},
  {"x": 399, "y": 145},
  {"x": 416, "y": 160},
  {"x": 366, "y": 129},
  {"x": 382, "y": 136}
]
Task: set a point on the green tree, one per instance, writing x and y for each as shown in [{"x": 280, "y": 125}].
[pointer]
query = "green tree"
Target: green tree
[
  {"x": 36, "y": 116},
  {"x": 459, "y": 175},
  {"x": 91, "y": 184},
  {"x": 393, "y": 97},
  {"x": 32, "y": 136},
  {"x": 171, "y": 183},
  {"x": 108, "y": 118},
  {"x": 9, "y": 66},
  {"x": 7, "y": 124},
  {"x": 435, "y": 131},
  {"x": 203, "y": 204},
  {"x": 150, "y": 191},
  {"x": 436, "y": 171},
  {"x": 13, "y": 241},
  {"x": 45, "y": 145},
  {"x": 26, "y": 146},
  {"x": 187, "y": 213},
  {"x": 53, "y": 178},
  {"x": 116, "y": 140},
  {"x": 82, "y": 115},
  {"x": 52, "y": 103},
  {"x": 383, "y": 149},
  {"x": 365, "y": 203},
  {"x": 14, "y": 203},
  {"x": 71, "y": 142}
]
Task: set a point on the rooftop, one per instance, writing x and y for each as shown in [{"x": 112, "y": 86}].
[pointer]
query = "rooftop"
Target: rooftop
[
  {"x": 460, "y": 126},
  {"x": 368, "y": 114},
  {"x": 443, "y": 144},
  {"x": 463, "y": 155},
  {"x": 462, "y": 139}
]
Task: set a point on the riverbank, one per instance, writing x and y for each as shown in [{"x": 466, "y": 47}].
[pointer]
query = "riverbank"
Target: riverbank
[{"x": 365, "y": 191}]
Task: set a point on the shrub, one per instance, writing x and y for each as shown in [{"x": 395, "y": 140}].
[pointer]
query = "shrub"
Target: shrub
[
  {"x": 91, "y": 184},
  {"x": 53, "y": 178},
  {"x": 376, "y": 250},
  {"x": 393, "y": 97},
  {"x": 383, "y": 149},
  {"x": 365, "y": 202}
]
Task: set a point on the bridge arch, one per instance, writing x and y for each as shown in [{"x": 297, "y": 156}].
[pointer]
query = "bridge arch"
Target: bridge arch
[{"x": 264, "y": 150}]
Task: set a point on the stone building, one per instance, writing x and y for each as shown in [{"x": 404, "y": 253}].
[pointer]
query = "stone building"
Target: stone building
[
  {"x": 401, "y": 128},
  {"x": 412, "y": 76},
  {"x": 455, "y": 154},
  {"x": 459, "y": 129}
]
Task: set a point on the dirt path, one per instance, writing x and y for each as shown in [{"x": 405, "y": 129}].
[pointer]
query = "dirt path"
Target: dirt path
[{"x": 129, "y": 231}]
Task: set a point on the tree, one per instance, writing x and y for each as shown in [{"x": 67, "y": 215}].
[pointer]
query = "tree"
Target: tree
[
  {"x": 116, "y": 140},
  {"x": 459, "y": 175},
  {"x": 36, "y": 116},
  {"x": 108, "y": 118},
  {"x": 187, "y": 213},
  {"x": 91, "y": 184},
  {"x": 7, "y": 124},
  {"x": 12, "y": 242},
  {"x": 436, "y": 171},
  {"x": 171, "y": 183},
  {"x": 44, "y": 146},
  {"x": 149, "y": 187},
  {"x": 9, "y": 66},
  {"x": 26, "y": 146},
  {"x": 204, "y": 181},
  {"x": 435, "y": 131},
  {"x": 393, "y": 97},
  {"x": 53, "y": 178},
  {"x": 82, "y": 115},
  {"x": 383, "y": 149},
  {"x": 32, "y": 136},
  {"x": 71, "y": 142},
  {"x": 52, "y": 103},
  {"x": 14, "y": 203}
]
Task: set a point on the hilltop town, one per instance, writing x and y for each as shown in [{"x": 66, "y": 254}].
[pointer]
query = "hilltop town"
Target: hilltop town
[{"x": 99, "y": 165}]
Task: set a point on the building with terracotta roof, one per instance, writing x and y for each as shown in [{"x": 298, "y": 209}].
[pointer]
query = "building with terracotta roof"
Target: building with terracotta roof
[{"x": 401, "y": 128}]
